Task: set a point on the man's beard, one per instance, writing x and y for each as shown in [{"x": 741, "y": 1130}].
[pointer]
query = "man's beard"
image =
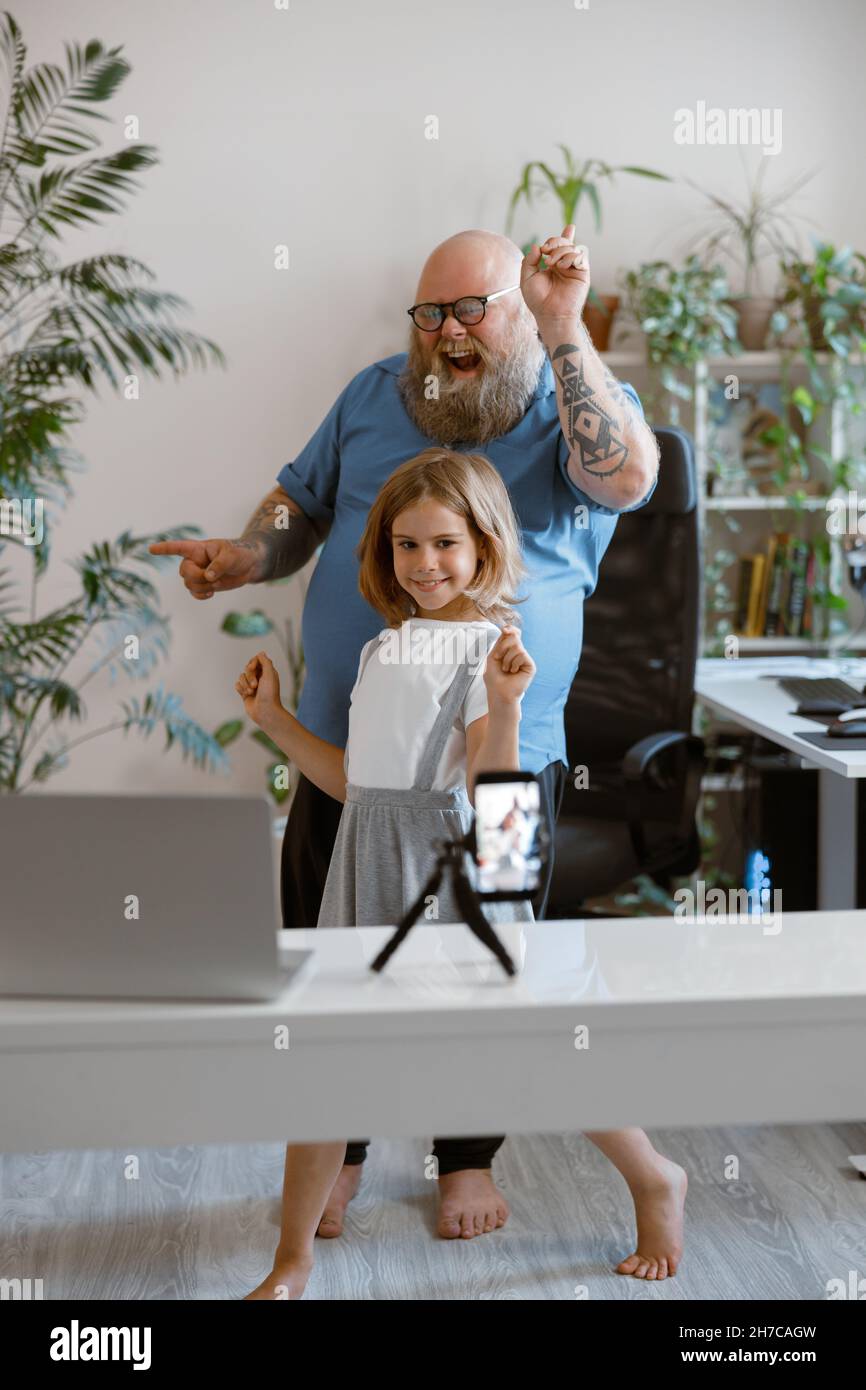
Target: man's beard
[{"x": 482, "y": 407}]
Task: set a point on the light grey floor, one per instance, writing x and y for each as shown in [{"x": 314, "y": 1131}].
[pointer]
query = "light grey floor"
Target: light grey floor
[{"x": 199, "y": 1223}]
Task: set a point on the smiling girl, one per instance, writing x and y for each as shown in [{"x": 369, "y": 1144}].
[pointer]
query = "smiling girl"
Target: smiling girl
[{"x": 440, "y": 551}]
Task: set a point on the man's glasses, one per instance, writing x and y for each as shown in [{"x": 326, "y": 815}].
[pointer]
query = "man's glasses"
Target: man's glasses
[{"x": 468, "y": 310}]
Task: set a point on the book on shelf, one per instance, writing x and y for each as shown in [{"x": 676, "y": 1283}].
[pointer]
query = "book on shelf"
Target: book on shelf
[
  {"x": 775, "y": 593},
  {"x": 751, "y": 587}
]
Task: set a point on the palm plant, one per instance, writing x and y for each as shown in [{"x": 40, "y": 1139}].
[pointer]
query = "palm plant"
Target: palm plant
[
  {"x": 63, "y": 329},
  {"x": 117, "y": 608}
]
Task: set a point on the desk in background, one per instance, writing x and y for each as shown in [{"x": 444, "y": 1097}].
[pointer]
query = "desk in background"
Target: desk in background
[{"x": 738, "y": 691}]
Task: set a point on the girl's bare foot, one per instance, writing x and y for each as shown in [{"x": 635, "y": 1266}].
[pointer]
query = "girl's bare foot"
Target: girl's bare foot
[
  {"x": 470, "y": 1204},
  {"x": 658, "y": 1205},
  {"x": 287, "y": 1280},
  {"x": 344, "y": 1189}
]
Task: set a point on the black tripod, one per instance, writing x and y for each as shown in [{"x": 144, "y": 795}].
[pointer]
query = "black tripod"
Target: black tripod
[{"x": 451, "y": 858}]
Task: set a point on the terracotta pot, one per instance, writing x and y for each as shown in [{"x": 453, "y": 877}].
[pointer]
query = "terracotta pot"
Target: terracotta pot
[
  {"x": 753, "y": 320},
  {"x": 599, "y": 321}
]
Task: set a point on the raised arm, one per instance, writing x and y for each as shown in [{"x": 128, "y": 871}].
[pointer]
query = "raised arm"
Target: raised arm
[
  {"x": 493, "y": 740},
  {"x": 323, "y": 763},
  {"x": 613, "y": 454}
]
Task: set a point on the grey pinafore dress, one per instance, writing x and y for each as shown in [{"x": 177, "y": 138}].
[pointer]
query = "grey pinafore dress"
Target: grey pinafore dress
[{"x": 386, "y": 843}]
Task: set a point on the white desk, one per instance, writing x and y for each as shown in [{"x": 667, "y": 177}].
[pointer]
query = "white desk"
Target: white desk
[
  {"x": 736, "y": 690},
  {"x": 688, "y": 1025}
]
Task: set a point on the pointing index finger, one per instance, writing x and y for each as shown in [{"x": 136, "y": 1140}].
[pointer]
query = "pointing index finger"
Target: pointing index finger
[{"x": 186, "y": 548}]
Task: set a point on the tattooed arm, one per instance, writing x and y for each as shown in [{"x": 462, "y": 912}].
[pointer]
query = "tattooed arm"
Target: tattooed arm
[
  {"x": 282, "y": 537},
  {"x": 613, "y": 454}
]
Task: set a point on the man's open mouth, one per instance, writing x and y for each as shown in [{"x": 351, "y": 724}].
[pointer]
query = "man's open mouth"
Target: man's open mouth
[{"x": 463, "y": 361}]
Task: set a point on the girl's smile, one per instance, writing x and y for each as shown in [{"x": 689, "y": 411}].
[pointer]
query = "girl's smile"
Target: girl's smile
[{"x": 427, "y": 586}]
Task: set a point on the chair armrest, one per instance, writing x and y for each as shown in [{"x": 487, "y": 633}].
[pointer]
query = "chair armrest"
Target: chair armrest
[{"x": 635, "y": 766}]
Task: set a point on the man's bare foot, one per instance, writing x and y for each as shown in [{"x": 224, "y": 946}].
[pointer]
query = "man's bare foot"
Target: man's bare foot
[
  {"x": 470, "y": 1204},
  {"x": 658, "y": 1207},
  {"x": 287, "y": 1280},
  {"x": 344, "y": 1189}
]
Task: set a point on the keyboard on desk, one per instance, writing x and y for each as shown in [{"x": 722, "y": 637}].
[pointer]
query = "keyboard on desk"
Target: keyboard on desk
[{"x": 808, "y": 688}]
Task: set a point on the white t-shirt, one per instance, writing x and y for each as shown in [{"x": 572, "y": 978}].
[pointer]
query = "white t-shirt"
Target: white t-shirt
[{"x": 398, "y": 694}]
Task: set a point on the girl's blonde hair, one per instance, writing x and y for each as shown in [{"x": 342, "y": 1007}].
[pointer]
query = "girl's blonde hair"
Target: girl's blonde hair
[{"x": 469, "y": 485}]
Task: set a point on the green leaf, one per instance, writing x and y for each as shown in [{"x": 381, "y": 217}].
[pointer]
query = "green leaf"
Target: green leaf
[
  {"x": 22, "y": 687},
  {"x": 804, "y": 403},
  {"x": 841, "y": 346},
  {"x": 253, "y": 624},
  {"x": 228, "y": 732},
  {"x": 645, "y": 173},
  {"x": 47, "y": 764},
  {"x": 774, "y": 435},
  {"x": 596, "y": 205}
]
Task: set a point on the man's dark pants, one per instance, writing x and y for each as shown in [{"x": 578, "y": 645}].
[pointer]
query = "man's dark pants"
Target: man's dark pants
[{"x": 307, "y": 847}]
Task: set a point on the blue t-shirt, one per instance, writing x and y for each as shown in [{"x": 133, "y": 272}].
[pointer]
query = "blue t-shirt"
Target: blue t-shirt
[{"x": 336, "y": 477}]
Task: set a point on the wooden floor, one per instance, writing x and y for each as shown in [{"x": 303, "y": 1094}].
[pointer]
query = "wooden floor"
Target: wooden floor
[{"x": 199, "y": 1223}]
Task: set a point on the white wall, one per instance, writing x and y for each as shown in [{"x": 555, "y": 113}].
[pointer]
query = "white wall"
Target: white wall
[{"x": 307, "y": 127}]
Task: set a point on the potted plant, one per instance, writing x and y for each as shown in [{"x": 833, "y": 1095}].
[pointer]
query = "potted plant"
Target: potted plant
[
  {"x": 571, "y": 188},
  {"x": 748, "y": 233},
  {"x": 685, "y": 315},
  {"x": 826, "y": 297},
  {"x": 63, "y": 329},
  {"x": 821, "y": 325}
]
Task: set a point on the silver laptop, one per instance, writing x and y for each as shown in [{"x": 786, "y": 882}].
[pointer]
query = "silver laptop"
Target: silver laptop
[{"x": 141, "y": 897}]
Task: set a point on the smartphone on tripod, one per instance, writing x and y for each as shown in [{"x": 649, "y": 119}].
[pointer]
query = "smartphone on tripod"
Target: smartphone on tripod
[
  {"x": 508, "y": 840},
  {"x": 510, "y": 836}
]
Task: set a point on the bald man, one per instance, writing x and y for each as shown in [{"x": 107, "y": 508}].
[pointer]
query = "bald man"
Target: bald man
[{"x": 498, "y": 361}]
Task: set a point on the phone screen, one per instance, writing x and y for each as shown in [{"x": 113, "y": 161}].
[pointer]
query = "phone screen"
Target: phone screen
[{"x": 510, "y": 835}]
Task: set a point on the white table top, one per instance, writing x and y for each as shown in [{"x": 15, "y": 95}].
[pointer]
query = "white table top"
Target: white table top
[
  {"x": 690, "y": 1025},
  {"x": 442, "y": 981},
  {"x": 739, "y": 690}
]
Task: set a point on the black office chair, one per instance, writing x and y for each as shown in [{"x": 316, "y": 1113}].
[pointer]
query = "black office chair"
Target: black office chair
[{"x": 629, "y": 713}]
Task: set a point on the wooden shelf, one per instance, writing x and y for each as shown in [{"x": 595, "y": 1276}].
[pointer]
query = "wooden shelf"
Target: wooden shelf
[
  {"x": 759, "y": 504},
  {"x": 760, "y": 361},
  {"x": 625, "y": 357},
  {"x": 796, "y": 644}
]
